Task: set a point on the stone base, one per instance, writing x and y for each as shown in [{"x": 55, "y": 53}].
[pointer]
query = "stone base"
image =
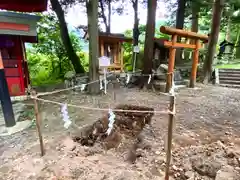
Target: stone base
[
  {"x": 159, "y": 85},
  {"x": 20, "y": 126}
]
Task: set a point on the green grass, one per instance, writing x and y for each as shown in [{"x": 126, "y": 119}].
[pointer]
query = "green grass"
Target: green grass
[{"x": 228, "y": 66}]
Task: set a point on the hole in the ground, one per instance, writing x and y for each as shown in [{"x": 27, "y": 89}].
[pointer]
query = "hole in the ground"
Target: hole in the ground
[{"x": 128, "y": 124}]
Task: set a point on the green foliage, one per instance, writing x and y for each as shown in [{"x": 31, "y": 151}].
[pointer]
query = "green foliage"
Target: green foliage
[{"x": 48, "y": 60}]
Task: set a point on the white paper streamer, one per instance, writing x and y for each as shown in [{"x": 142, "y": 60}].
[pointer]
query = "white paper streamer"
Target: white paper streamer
[
  {"x": 128, "y": 78},
  {"x": 149, "y": 79},
  {"x": 111, "y": 120},
  {"x": 105, "y": 80},
  {"x": 83, "y": 86},
  {"x": 66, "y": 119}
]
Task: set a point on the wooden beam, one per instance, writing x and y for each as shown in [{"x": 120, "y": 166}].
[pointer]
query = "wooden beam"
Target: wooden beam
[
  {"x": 121, "y": 58},
  {"x": 195, "y": 64},
  {"x": 183, "y": 33},
  {"x": 179, "y": 45},
  {"x": 14, "y": 26},
  {"x": 171, "y": 63}
]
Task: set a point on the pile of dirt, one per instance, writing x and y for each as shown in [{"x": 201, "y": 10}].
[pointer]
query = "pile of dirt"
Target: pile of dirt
[
  {"x": 211, "y": 161},
  {"x": 127, "y": 126}
]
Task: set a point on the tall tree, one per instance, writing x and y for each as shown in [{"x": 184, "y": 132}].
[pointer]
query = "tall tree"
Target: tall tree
[
  {"x": 56, "y": 6},
  {"x": 92, "y": 13},
  {"x": 136, "y": 31},
  {"x": 213, "y": 39},
  {"x": 106, "y": 18},
  {"x": 179, "y": 25},
  {"x": 149, "y": 36},
  {"x": 195, "y": 16}
]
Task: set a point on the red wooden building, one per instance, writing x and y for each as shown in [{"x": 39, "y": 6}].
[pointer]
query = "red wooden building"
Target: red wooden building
[{"x": 15, "y": 30}]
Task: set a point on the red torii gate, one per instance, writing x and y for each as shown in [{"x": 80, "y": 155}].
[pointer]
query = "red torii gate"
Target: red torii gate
[{"x": 173, "y": 44}]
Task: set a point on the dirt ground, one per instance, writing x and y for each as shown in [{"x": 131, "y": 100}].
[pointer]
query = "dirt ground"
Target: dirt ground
[{"x": 206, "y": 143}]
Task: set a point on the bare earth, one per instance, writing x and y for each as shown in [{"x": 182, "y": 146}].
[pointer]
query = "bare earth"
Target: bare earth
[{"x": 206, "y": 141}]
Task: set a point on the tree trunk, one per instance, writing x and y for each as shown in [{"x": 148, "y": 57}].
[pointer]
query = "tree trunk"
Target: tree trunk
[
  {"x": 92, "y": 13},
  {"x": 103, "y": 14},
  {"x": 136, "y": 24},
  {"x": 109, "y": 16},
  {"x": 148, "y": 46},
  {"x": 228, "y": 31},
  {"x": 195, "y": 16},
  {"x": 136, "y": 32},
  {"x": 106, "y": 21},
  {"x": 213, "y": 39},
  {"x": 237, "y": 45},
  {"x": 66, "y": 38},
  {"x": 194, "y": 28},
  {"x": 180, "y": 25}
]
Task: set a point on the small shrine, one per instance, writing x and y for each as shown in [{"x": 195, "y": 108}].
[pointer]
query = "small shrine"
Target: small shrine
[
  {"x": 15, "y": 30},
  {"x": 111, "y": 45}
]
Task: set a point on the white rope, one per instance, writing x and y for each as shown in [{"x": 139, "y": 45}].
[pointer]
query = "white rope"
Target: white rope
[
  {"x": 99, "y": 109},
  {"x": 82, "y": 86}
]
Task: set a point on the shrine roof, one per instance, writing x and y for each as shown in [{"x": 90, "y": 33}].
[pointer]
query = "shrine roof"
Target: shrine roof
[
  {"x": 110, "y": 37},
  {"x": 19, "y": 15},
  {"x": 24, "y": 5}
]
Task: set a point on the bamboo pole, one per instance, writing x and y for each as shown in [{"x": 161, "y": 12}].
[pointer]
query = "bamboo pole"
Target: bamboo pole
[
  {"x": 170, "y": 134},
  {"x": 38, "y": 124}
]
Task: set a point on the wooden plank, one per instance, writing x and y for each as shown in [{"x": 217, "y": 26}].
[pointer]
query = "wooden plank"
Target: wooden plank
[
  {"x": 183, "y": 33},
  {"x": 101, "y": 48},
  {"x": 121, "y": 58},
  {"x": 179, "y": 45}
]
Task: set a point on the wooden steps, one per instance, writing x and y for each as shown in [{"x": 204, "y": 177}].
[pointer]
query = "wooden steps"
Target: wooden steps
[{"x": 228, "y": 77}]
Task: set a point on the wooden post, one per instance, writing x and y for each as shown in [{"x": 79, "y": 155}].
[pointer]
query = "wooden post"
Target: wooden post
[
  {"x": 171, "y": 63},
  {"x": 170, "y": 134},
  {"x": 121, "y": 59},
  {"x": 195, "y": 64},
  {"x": 5, "y": 98},
  {"x": 38, "y": 124},
  {"x": 101, "y": 48}
]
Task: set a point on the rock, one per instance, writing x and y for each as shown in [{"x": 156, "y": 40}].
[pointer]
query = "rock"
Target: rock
[
  {"x": 230, "y": 153},
  {"x": 69, "y": 75},
  {"x": 156, "y": 172},
  {"x": 69, "y": 144},
  {"x": 175, "y": 168},
  {"x": 227, "y": 173},
  {"x": 177, "y": 76},
  {"x": 189, "y": 174},
  {"x": 206, "y": 167},
  {"x": 159, "y": 85},
  {"x": 228, "y": 133},
  {"x": 163, "y": 67}
]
